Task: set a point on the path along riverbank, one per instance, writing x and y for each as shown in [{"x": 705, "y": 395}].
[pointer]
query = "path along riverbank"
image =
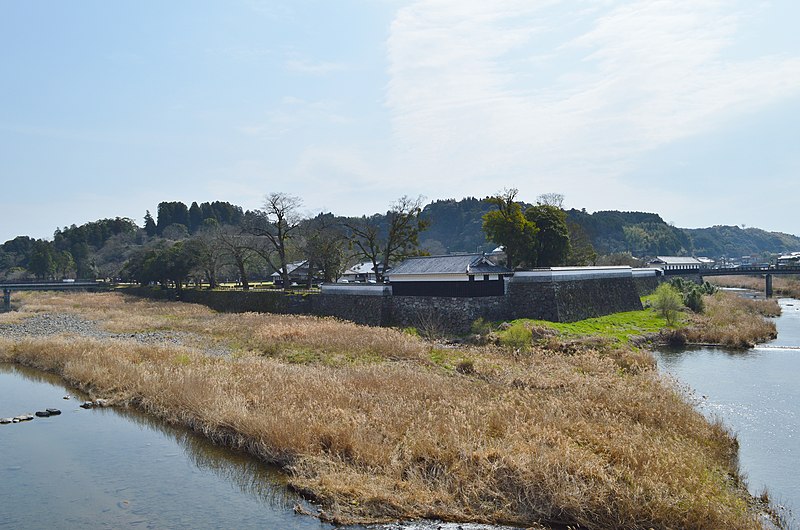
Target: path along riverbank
[{"x": 378, "y": 425}]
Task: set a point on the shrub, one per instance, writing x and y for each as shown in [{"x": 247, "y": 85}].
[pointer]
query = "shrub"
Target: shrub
[
  {"x": 481, "y": 327},
  {"x": 518, "y": 337},
  {"x": 465, "y": 366},
  {"x": 693, "y": 298},
  {"x": 667, "y": 301}
]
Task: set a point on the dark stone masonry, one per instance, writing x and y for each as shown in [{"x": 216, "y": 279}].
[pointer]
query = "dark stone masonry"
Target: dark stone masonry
[{"x": 557, "y": 294}]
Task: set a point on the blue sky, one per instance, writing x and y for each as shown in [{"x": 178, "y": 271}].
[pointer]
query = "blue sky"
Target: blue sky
[{"x": 690, "y": 109}]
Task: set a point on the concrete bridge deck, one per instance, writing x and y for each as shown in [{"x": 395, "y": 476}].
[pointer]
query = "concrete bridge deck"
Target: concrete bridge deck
[
  {"x": 766, "y": 272},
  {"x": 76, "y": 285}
]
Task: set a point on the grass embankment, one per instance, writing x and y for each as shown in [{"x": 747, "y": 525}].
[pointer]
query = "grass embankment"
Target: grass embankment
[
  {"x": 788, "y": 286},
  {"x": 727, "y": 320},
  {"x": 731, "y": 320},
  {"x": 379, "y": 425}
]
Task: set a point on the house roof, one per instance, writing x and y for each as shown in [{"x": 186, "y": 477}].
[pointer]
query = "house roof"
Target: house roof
[
  {"x": 291, "y": 267},
  {"x": 676, "y": 260},
  {"x": 365, "y": 267},
  {"x": 451, "y": 264}
]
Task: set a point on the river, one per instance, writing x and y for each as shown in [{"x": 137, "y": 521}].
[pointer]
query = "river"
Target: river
[
  {"x": 756, "y": 394},
  {"x": 115, "y": 468}
]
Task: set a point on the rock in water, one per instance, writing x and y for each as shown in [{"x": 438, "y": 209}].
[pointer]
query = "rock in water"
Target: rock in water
[
  {"x": 53, "y": 412},
  {"x": 42, "y": 414},
  {"x": 87, "y": 405}
]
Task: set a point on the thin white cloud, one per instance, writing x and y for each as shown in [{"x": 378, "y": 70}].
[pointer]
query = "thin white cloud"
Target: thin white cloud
[{"x": 566, "y": 95}]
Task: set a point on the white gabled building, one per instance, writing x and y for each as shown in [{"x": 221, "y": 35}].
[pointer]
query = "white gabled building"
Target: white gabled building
[
  {"x": 363, "y": 272},
  {"x": 789, "y": 260},
  {"x": 671, "y": 263}
]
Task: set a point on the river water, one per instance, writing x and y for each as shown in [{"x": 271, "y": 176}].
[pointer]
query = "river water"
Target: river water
[
  {"x": 756, "y": 393},
  {"x": 114, "y": 468}
]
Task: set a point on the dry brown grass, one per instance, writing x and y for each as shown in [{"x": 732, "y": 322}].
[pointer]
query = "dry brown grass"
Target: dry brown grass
[
  {"x": 788, "y": 286},
  {"x": 289, "y": 337},
  {"x": 731, "y": 320},
  {"x": 573, "y": 438}
]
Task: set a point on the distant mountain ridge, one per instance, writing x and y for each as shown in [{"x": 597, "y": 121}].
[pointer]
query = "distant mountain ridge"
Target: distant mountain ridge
[{"x": 456, "y": 226}]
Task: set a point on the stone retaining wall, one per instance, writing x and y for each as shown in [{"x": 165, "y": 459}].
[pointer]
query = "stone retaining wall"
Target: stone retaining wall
[
  {"x": 571, "y": 294},
  {"x": 233, "y": 301},
  {"x": 646, "y": 280},
  {"x": 557, "y": 294},
  {"x": 437, "y": 314}
]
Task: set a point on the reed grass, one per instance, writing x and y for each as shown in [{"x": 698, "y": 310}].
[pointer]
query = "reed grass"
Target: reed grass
[
  {"x": 566, "y": 437},
  {"x": 734, "y": 321}
]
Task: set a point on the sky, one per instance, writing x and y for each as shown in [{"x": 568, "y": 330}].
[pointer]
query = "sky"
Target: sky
[{"x": 686, "y": 108}]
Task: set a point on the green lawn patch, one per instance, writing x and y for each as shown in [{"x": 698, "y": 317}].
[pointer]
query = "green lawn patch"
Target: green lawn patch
[{"x": 619, "y": 326}]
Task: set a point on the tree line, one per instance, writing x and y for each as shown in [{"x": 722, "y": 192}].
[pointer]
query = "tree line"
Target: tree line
[{"x": 211, "y": 242}]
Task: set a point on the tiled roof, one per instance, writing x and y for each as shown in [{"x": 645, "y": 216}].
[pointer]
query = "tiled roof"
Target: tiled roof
[{"x": 451, "y": 264}]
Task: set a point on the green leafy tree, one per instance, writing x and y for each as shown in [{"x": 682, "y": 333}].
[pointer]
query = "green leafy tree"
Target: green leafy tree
[
  {"x": 195, "y": 217},
  {"x": 64, "y": 264},
  {"x": 149, "y": 224},
  {"x": 668, "y": 302},
  {"x": 507, "y": 226},
  {"x": 42, "y": 263},
  {"x": 551, "y": 246},
  {"x": 581, "y": 250},
  {"x": 174, "y": 212}
]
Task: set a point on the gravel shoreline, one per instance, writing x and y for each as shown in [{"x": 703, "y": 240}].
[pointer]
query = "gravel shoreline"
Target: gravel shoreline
[{"x": 52, "y": 324}]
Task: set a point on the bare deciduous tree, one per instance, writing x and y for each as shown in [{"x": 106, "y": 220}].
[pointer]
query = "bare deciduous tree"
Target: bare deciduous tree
[
  {"x": 277, "y": 223},
  {"x": 551, "y": 199},
  {"x": 238, "y": 247},
  {"x": 399, "y": 238}
]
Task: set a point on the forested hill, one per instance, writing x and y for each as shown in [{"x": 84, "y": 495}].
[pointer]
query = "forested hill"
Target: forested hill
[
  {"x": 732, "y": 241},
  {"x": 455, "y": 226}
]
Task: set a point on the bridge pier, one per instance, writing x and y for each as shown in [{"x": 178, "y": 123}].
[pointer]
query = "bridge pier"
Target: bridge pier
[
  {"x": 6, "y": 300},
  {"x": 768, "y": 287}
]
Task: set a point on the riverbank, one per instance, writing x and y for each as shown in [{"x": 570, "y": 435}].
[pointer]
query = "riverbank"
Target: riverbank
[
  {"x": 727, "y": 320},
  {"x": 379, "y": 425}
]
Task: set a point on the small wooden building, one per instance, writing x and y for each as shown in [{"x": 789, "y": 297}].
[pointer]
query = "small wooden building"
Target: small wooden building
[{"x": 456, "y": 275}]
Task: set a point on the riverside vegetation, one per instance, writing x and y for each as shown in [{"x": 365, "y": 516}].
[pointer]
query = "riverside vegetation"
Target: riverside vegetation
[{"x": 376, "y": 424}]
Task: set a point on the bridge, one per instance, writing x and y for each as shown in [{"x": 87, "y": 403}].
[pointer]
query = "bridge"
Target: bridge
[
  {"x": 64, "y": 285},
  {"x": 767, "y": 272}
]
